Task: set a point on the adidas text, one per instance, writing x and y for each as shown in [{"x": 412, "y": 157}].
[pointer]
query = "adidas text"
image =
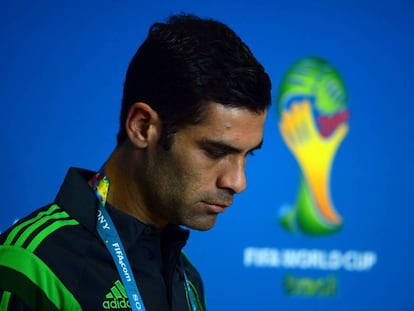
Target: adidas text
[{"x": 116, "y": 304}]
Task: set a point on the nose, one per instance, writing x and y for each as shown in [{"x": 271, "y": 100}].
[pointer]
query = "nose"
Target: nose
[{"x": 233, "y": 178}]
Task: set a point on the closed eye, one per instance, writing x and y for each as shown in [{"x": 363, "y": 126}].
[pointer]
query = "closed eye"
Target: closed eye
[
  {"x": 217, "y": 150},
  {"x": 215, "y": 154}
]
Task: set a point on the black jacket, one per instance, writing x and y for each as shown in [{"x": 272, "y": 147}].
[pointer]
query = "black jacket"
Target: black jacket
[{"x": 54, "y": 259}]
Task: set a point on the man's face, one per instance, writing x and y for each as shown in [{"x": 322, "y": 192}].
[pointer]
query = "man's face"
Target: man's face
[{"x": 195, "y": 180}]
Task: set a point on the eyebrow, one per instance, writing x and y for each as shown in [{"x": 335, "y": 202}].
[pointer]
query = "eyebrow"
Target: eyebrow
[{"x": 220, "y": 145}]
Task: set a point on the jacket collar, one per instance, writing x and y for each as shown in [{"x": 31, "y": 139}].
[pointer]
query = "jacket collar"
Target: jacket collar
[{"x": 79, "y": 200}]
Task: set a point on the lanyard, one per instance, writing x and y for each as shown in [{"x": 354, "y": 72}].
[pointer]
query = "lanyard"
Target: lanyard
[{"x": 109, "y": 234}]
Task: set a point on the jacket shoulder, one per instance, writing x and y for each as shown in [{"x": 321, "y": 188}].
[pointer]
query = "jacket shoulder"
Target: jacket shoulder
[{"x": 23, "y": 274}]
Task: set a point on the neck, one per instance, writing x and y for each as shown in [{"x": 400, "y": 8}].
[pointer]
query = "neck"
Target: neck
[{"x": 125, "y": 190}]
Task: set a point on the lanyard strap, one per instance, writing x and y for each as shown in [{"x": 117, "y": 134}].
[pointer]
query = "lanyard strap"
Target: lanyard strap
[
  {"x": 108, "y": 233},
  {"x": 189, "y": 291}
]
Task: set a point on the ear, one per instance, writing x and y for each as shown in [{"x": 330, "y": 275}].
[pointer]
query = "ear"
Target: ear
[{"x": 143, "y": 125}]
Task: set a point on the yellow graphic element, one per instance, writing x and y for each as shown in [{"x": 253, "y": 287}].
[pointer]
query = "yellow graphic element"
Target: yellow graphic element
[{"x": 313, "y": 152}]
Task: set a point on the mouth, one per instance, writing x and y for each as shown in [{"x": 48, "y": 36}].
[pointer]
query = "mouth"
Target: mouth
[{"x": 217, "y": 207}]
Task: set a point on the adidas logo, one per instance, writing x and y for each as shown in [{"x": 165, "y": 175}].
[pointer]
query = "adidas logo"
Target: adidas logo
[{"x": 117, "y": 298}]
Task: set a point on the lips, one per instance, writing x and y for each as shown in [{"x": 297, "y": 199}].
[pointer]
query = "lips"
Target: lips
[{"x": 217, "y": 207}]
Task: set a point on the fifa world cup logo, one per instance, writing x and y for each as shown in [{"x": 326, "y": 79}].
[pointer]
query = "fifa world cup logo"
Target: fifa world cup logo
[{"x": 313, "y": 123}]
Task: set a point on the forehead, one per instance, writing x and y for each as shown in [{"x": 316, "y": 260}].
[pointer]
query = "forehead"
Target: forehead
[
  {"x": 218, "y": 114},
  {"x": 239, "y": 126}
]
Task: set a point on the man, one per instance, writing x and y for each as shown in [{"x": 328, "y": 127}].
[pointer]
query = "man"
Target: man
[{"x": 194, "y": 104}]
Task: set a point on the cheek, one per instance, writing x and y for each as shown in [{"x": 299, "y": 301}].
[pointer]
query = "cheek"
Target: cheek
[
  {"x": 177, "y": 175},
  {"x": 199, "y": 167},
  {"x": 192, "y": 170},
  {"x": 194, "y": 176}
]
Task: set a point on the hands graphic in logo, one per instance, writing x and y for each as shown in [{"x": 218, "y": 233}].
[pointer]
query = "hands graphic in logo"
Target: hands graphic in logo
[{"x": 314, "y": 210}]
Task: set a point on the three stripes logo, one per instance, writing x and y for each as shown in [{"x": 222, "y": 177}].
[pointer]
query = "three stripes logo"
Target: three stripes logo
[
  {"x": 30, "y": 233},
  {"x": 117, "y": 298},
  {"x": 26, "y": 274}
]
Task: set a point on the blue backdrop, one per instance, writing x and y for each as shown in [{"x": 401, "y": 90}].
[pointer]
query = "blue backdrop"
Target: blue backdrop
[{"x": 62, "y": 67}]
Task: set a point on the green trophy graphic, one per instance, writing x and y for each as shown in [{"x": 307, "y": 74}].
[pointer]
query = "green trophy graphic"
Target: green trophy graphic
[{"x": 313, "y": 121}]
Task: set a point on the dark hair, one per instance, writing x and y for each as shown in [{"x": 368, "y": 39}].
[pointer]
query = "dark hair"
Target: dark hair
[{"x": 187, "y": 62}]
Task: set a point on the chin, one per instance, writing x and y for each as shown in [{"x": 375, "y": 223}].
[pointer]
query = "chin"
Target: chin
[{"x": 203, "y": 224}]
